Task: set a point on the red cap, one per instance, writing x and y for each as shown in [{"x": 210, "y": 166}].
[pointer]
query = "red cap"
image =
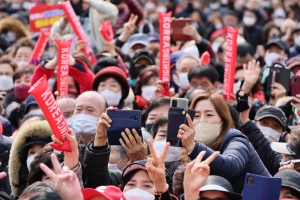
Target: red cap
[
  {"x": 217, "y": 33},
  {"x": 109, "y": 192}
]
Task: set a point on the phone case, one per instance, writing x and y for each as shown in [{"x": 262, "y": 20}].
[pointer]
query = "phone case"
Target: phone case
[
  {"x": 177, "y": 25},
  {"x": 122, "y": 119},
  {"x": 179, "y": 102},
  {"x": 295, "y": 86},
  {"x": 261, "y": 188},
  {"x": 177, "y": 117},
  {"x": 282, "y": 76}
]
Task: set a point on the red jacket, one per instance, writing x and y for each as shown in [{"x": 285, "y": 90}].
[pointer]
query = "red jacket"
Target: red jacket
[
  {"x": 133, "y": 7},
  {"x": 79, "y": 71}
]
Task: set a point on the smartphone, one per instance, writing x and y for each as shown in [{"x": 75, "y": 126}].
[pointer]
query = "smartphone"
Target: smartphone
[
  {"x": 278, "y": 75},
  {"x": 295, "y": 86},
  {"x": 179, "y": 102},
  {"x": 177, "y": 25},
  {"x": 122, "y": 119},
  {"x": 261, "y": 188},
  {"x": 74, "y": 42},
  {"x": 177, "y": 117}
]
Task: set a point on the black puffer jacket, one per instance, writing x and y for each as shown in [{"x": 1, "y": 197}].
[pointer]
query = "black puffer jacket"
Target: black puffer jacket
[{"x": 270, "y": 158}]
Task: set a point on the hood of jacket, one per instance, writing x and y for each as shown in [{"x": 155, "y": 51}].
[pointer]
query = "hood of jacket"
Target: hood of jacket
[{"x": 35, "y": 129}]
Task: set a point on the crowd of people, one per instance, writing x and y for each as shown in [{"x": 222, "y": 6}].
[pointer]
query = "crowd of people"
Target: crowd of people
[{"x": 255, "y": 132}]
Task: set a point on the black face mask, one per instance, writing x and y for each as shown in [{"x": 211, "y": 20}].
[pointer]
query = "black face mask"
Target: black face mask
[
  {"x": 135, "y": 71},
  {"x": 149, "y": 127}
]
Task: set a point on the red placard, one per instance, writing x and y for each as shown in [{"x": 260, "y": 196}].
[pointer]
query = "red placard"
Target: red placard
[
  {"x": 164, "y": 65},
  {"x": 106, "y": 31},
  {"x": 44, "y": 97},
  {"x": 42, "y": 17},
  {"x": 73, "y": 20},
  {"x": 39, "y": 47},
  {"x": 63, "y": 67},
  {"x": 205, "y": 58},
  {"x": 230, "y": 60}
]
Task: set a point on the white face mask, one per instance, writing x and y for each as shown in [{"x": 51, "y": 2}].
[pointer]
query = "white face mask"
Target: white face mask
[
  {"x": 270, "y": 134},
  {"x": 214, "y": 6},
  {"x": 249, "y": 21},
  {"x": 176, "y": 79},
  {"x": 149, "y": 92},
  {"x": 22, "y": 63},
  {"x": 183, "y": 79},
  {"x": 70, "y": 121},
  {"x": 112, "y": 166},
  {"x": 36, "y": 112},
  {"x": 6, "y": 83},
  {"x": 207, "y": 133},
  {"x": 192, "y": 50},
  {"x": 84, "y": 125},
  {"x": 237, "y": 86},
  {"x": 297, "y": 41},
  {"x": 137, "y": 194},
  {"x": 112, "y": 98},
  {"x": 278, "y": 21},
  {"x": 224, "y": 2},
  {"x": 150, "y": 5},
  {"x": 162, "y": 9},
  {"x": 270, "y": 57},
  {"x": 218, "y": 25},
  {"x": 12, "y": 36},
  {"x": 29, "y": 161},
  {"x": 215, "y": 46},
  {"x": 174, "y": 153}
]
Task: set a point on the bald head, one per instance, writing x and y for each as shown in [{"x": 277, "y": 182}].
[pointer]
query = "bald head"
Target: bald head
[
  {"x": 67, "y": 106},
  {"x": 90, "y": 103}
]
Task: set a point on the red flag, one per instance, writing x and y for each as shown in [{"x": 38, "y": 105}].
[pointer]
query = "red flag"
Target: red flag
[
  {"x": 44, "y": 97},
  {"x": 63, "y": 67},
  {"x": 164, "y": 65},
  {"x": 205, "y": 58},
  {"x": 73, "y": 20},
  {"x": 230, "y": 60}
]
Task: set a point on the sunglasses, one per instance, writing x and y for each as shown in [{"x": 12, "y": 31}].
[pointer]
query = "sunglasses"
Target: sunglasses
[
  {"x": 282, "y": 163},
  {"x": 218, "y": 198}
]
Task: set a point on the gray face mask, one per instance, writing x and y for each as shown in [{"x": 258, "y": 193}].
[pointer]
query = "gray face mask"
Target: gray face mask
[{"x": 84, "y": 125}]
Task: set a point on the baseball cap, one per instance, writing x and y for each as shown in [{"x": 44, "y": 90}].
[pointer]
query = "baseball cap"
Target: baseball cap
[
  {"x": 218, "y": 183},
  {"x": 152, "y": 37},
  {"x": 286, "y": 148},
  {"x": 142, "y": 53},
  {"x": 290, "y": 179},
  {"x": 138, "y": 38},
  {"x": 271, "y": 111},
  {"x": 109, "y": 192},
  {"x": 276, "y": 41},
  {"x": 133, "y": 166},
  {"x": 292, "y": 62}
]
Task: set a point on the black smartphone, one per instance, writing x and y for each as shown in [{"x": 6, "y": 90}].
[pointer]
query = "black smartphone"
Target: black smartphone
[
  {"x": 177, "y": 117},
  {"x": 278, "y": 75},
  {"x": 122, "y": 119}
]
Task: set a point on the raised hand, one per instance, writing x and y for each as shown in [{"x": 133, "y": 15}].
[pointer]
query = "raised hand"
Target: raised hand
[
  {"x": 277, "y": 92},
  {"x": 187, "y": 134},
  {"x": 128, "y": 28},
  {"x": 65, "y": 180},
  {"x": 196, "y": 174},
  {"x": 156, "y": 168},
  {"x": 251, "y": 75},
  {"x": 102, "y": 124},
  {"x": 133, "y": 145},
  {"x": 190, "y": 30}
]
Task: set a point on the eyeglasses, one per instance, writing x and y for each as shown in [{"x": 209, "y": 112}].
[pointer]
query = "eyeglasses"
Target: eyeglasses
[
  {"x": 218, "y": 198},
  {"x": 282, "y": 163}
]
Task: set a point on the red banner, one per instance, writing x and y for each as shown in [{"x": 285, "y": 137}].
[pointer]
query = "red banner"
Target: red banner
[
  {"x": 205, "y": 58},
  {"x": 44, "y": 97},
  {"x": 63, "y": 67},
  {"x": 230, "y": 61},
  {"x": 106, "y": 31},
  {"x": 73, "y": 20},
  {"x": 39, "y": 47},
  {"x": 42, "y": 17},
  {"x": 164, "y": 65}
]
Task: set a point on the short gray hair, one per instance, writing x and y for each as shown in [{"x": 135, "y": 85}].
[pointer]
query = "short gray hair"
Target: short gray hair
[{"x": 184, "y": 57}]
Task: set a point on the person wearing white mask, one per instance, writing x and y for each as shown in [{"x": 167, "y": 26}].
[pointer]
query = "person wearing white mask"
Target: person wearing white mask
[
  {"x": 279, "y": 16},
  {"x": 213, "y": 130},
  {"x": 88, "y": 108},
  {"x": 271, "y": 122},
  {"x": 112, "y": 84},
  {"x": 183, "y": 66},
  {"x": 274, "y": 49},
  {"x": 23, "y": 51},
  {"x": 295, "y": 49},
  {"x": 147, "y": 87},
  {"x": 7, "y": 70}
]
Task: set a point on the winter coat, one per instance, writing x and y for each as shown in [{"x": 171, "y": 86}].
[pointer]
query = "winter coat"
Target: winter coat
[
  {"x": 237, "y": 158},
  {"x": 39, "y": 129}
]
